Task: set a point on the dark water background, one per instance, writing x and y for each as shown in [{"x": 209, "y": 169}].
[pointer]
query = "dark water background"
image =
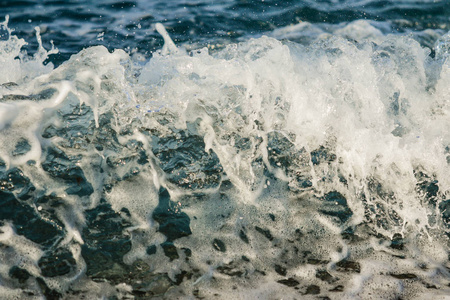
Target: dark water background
[{"x": 74, "y": 25}]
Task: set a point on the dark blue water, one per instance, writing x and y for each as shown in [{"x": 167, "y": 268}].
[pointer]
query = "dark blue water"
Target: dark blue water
[
  {"x": 278, "y": 150},
  {"x": 74, "y": 25}
]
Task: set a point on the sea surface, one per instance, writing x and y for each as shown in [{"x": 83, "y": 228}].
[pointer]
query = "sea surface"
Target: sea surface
[{"x": 231, "y": 149}]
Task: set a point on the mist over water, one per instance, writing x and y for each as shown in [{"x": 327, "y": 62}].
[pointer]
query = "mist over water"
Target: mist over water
[{"x": 226, "y": 150}]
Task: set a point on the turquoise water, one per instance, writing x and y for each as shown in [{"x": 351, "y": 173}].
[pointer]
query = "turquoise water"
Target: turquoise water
[{"x": 224, "y": 150}]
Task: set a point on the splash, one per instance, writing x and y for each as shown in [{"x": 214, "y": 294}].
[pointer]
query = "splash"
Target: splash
[{"x": 262, "y": 169}]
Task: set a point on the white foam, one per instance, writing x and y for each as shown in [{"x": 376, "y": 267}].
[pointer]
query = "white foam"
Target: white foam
[
  {"x": 169, "y": 46},
  {"x": 381, "y": 110}
]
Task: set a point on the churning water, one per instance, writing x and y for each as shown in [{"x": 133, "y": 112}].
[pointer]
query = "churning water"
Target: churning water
[{"x": 294, "y": 150}]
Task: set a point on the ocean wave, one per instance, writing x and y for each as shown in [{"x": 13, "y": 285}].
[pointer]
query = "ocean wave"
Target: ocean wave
[{"x": 260, "y": 169}]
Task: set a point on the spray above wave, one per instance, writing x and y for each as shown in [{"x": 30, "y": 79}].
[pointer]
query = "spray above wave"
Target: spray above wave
[
  {"x": 74, "y": 25},
  {"x": 266, "y": 166}
]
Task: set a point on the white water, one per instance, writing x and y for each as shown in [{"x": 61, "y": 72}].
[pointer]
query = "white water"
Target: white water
[{"x": 381, "y": 109}]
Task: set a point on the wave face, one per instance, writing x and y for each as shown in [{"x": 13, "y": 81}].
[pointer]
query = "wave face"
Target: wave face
[{"x": 294, "y": 161}]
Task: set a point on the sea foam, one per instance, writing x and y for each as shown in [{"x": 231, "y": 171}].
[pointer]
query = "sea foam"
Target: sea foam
[{"x": 266, "y": 168}]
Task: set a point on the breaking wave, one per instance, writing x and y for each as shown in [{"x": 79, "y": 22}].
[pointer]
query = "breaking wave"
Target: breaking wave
[{"x": 261, "y": 169}]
